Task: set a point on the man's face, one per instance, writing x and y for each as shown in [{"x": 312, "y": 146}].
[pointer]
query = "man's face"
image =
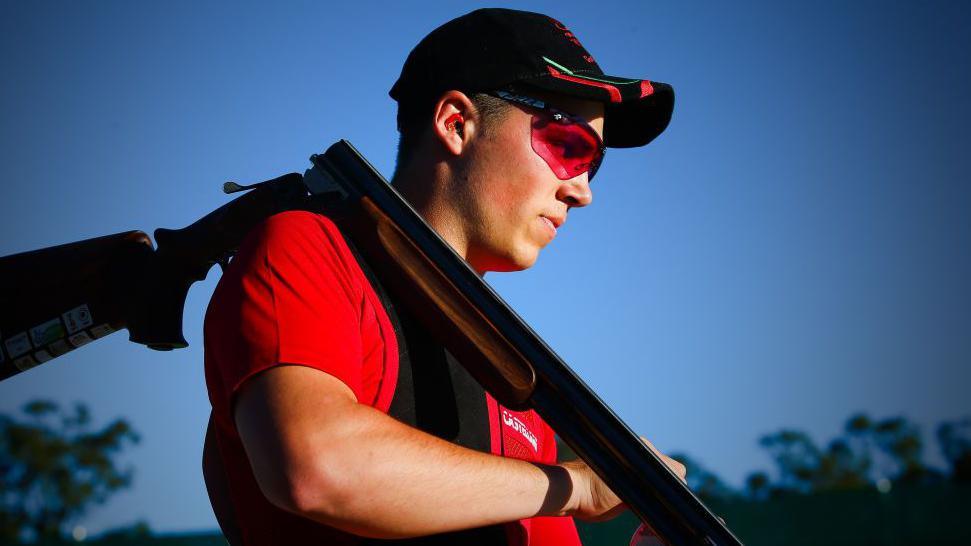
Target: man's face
[{"x": 512, "y": 200}]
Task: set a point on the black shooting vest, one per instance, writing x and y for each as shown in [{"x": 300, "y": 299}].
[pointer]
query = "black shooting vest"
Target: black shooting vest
[{"x": 434, "y": 393}]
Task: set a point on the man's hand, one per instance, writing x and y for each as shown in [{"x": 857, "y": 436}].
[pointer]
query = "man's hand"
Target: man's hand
[
  {"x": 679, "y": 469},
  {"x": 592, "y": 500}
]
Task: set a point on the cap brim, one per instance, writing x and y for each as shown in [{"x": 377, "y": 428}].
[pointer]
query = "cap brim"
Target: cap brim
[{"x": 635, "y": 111}]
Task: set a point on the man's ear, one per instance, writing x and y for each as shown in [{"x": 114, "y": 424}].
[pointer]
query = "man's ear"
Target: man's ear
[{"x": 455, "y": 121}]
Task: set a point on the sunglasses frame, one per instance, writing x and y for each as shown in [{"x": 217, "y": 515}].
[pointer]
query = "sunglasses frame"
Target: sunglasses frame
[{"x": 561, "y": 117}]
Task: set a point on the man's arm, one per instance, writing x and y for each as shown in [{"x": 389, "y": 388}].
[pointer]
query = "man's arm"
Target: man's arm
[{"x": 316, "y": 452}]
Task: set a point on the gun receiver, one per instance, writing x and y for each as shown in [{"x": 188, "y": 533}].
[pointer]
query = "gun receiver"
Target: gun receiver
[{"x": 186, "y": 255}]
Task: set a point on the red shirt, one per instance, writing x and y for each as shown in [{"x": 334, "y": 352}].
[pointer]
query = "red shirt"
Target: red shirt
[{"x": 295, "y": 294}]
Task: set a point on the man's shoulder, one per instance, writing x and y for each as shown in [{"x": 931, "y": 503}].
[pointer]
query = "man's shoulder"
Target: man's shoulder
[
  {"x": 296, "y": 248},
  {"x": 294, "y": 234},
  {"x": 283, "y": 223},
  {"x": 291, "y": 269}
]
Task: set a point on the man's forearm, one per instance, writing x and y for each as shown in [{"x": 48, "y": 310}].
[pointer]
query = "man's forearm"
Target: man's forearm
[
  {"x": 317, "y": 452},
  {"x": 381, "y": 478}
]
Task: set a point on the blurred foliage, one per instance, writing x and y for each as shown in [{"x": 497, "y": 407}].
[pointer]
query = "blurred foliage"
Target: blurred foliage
[
  {"x": 703, "y": 482},
  {"x": 132, "y": 532},
  {"x": 907, "y": 515},
  {"x": 955, "y": 440},
  {"x": 868, "y": 454},
  {"x": 144, "y": 537},
  {"x": 868, "y": 485},
  {"x": 53, "y": 468}
]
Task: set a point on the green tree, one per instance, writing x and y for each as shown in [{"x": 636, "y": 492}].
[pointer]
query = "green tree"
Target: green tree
[
  {"x": 53, "y": 468},
  {"x": 804, "y": 468},
  {"x": 842, "y": 467},
  {"x": 901, "y": 443},
  {"x": 954, "y": 438},
  {"x": 704, "y": 483},
  {"x": 868, "y": 450},
  {"x": 757, "y": 486},
  {"x": 797, "y": 458},
  {"x": 129, "y": 533},
  {"x": 856, "y": 437}
]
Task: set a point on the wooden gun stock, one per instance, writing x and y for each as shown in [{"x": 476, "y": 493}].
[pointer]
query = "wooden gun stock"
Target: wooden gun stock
[
  {"x": 494, "y": 362},
  {"x": 59, "y": 298},
  {"x": 68, "y": 295}
]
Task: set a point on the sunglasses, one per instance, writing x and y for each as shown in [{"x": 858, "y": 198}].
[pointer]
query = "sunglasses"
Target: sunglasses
[{"x": 567, "y": 143}]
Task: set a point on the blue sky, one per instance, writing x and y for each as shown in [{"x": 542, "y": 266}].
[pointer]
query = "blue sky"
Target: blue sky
[{"x": 795, "y": 247}]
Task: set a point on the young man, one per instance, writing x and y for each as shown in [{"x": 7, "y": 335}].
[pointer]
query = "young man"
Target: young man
[{"x": 338, "y": 419}]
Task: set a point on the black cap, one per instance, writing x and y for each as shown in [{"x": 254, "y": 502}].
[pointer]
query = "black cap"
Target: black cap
[{"x": 492, "y": 49}]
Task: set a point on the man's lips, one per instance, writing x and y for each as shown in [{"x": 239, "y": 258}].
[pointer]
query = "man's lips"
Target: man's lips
[{"x": 554, "y": 222}]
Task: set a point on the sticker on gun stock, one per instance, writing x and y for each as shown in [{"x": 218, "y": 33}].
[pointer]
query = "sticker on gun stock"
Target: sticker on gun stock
[
  {"x": 42, "y": 356},
  {"x": 79, "y": 339},
  {"x": 47, "y": 332},
  {"x": 59, "y": 347},
  {"x": 78, "y": 319},
  {"x": 17, "y": 345},
  {"x": 25, "y": 363},
  {"x": 101, "y": 330}
]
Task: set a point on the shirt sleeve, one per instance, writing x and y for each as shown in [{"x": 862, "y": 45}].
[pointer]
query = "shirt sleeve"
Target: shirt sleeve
[{"x": 288, "y": 297}]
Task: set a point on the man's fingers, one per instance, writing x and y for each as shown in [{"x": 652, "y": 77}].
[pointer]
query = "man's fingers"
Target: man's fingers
[
  {"x": 676, "y": 467},
  {"x": 679, "y": 469}
]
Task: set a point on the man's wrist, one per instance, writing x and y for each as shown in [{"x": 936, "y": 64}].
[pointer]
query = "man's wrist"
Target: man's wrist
[{"x": 561, "y": 495}]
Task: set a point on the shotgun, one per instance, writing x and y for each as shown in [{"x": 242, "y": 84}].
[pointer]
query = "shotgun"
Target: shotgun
[{"x": 144, "y": 290}]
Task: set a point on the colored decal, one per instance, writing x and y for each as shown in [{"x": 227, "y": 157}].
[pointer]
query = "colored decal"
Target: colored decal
[
  {"x": 566, "y": 70},
  {"x": 59, "y": 347},
  {"x": 45, "y": 333},
  {"x": 646, "y": 88},
  {"x": 566, "y": 33},
  {"x": 101, "y": 330},
  {"x": 42, "y": 356},
  {"x": 17, "y": 345},
  {"x": 77, "y": 319},
  {"x": 79, "y": 339},
  {"x": 514, "y": 423},
  {"x": 25, "y": 363},
  {"x": 611, "y": 90}
]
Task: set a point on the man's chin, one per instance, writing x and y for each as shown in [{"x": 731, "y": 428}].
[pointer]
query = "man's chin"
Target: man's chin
[{"x": 508, "y": 264}]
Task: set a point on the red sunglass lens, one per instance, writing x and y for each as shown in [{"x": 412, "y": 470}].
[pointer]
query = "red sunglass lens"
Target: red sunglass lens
[{"x": 570, "y": 149}]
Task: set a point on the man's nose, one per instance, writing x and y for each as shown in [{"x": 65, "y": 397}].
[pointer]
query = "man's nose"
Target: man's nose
[{"x": 575, "y": 192}]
